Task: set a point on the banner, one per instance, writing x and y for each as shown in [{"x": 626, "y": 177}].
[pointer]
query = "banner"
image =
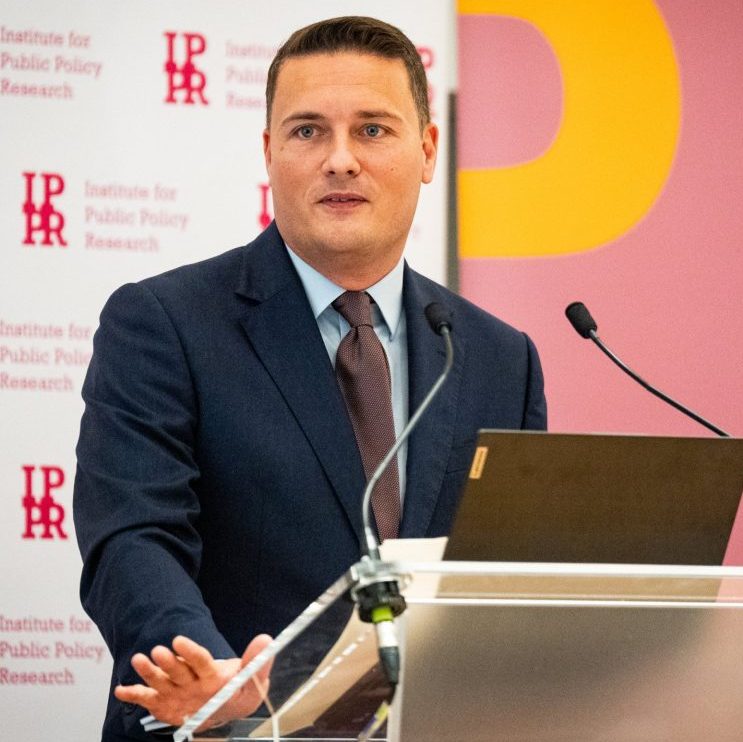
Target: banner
[{"x": 131, "y": 137}]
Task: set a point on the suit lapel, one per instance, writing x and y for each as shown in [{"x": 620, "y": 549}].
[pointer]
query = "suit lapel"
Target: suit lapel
[
  {"x": 431, "y": 442},
  {"x": 283, "y": 332}
]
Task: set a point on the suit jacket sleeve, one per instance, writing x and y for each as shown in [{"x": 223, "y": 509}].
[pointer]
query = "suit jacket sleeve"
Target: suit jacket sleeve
[
  {"x": 135, "y": 507},
  {"x": 535, "y": 407}
]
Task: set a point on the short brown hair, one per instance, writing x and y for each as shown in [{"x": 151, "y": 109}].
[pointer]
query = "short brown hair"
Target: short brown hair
[{"x": 359, "y": 34}]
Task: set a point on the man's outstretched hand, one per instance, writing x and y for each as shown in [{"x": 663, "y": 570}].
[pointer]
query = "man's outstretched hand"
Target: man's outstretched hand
[{"x": 179, "y": 682}]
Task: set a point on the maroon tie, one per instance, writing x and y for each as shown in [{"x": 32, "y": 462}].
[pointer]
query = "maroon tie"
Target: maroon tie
[{"x": 364, "y": 376}]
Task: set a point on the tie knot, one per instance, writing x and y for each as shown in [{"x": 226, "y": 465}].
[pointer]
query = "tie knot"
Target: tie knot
[{"x": 354, "y": 307}]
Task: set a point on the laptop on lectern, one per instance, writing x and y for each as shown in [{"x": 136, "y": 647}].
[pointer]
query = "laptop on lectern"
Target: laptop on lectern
[
  {"x": 581, "y": 656},
  {"x": 563, "y": 497}
]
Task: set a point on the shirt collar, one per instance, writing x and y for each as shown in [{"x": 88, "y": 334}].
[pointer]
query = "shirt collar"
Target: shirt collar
[{"x": 322, "y": 292}]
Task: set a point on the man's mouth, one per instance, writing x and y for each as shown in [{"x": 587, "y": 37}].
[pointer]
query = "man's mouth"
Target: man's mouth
[{"x": 342, "y": 200}]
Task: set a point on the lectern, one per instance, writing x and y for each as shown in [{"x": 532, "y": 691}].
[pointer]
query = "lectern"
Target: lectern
[
  {"x": 515, "y": 651},
  {"x": 544, "y": 643}
]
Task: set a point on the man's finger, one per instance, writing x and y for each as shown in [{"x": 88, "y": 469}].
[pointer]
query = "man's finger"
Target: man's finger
[
  {"x": 256, "y": 646},
  {"x": 150, "y": 672},
  {"x": 151, "y": 700},
  {"x": 198, "y": 658},
  {"x": 139, "y": 694},
  {"x": 174, "y": 667}
]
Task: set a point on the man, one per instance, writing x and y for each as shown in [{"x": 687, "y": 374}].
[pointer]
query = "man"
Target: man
[{"x": 221, "y": 461}]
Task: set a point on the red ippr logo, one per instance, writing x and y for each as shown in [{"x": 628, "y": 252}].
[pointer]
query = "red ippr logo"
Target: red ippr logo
[
  {"x": 42, "y": 216},
  {"x": 43, "y": 513},
  {"x": 264, "y": 215},
  {"x": 186, "y": 77}
]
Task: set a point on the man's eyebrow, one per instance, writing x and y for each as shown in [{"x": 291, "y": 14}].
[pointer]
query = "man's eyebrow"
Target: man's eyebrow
[
  {"x": 315, "y": 116},
  {"x": 302, "y": 116},
  {"x": 378, "y": 114}
]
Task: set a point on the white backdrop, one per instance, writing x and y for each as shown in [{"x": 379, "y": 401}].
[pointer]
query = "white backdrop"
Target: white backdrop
[{"x": 103, "y": 182}]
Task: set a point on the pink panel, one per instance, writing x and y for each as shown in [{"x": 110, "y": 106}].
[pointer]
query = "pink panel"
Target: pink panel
[
  {"x": 510, "y": 79},
  {"x": 667, "y": 295},
  {"x": 734, "y": 555}
]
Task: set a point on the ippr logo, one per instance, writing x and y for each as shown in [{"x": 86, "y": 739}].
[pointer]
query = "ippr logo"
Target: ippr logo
[
  {"x": 43, "y": 217},
  {"x": 43, "y": 513},
  {"x": 186, "y": 78},
  {"x": 264, "y": 215}
]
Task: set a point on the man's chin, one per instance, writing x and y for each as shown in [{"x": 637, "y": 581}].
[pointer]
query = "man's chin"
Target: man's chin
[{"x": 343, "y": 238}]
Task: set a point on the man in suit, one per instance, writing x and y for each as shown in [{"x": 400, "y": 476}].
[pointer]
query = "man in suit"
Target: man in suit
[{"x": 220, "y": 467}]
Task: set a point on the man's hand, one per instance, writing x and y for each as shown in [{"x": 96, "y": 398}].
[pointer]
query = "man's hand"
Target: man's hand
[{"x": 179, "y": 682}]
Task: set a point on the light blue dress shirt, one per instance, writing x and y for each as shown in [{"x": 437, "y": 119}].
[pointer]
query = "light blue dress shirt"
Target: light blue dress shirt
[{"x": 388, "y": 317}]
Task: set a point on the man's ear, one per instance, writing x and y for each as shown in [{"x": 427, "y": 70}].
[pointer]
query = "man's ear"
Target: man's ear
[
  {"x": 430, "y": 146},
  {"x": 267, "y": 148}
]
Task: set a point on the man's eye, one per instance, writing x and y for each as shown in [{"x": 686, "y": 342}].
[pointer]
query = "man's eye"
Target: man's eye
[
  {"x": 305, "y": 132},
  {"x": 373, "y": 130}
]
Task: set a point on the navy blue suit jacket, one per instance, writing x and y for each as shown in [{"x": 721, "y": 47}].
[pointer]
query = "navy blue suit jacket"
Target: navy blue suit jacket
[{"x": 219, "y": 483}]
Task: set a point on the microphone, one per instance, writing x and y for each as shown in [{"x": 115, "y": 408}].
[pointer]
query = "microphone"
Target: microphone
[
  {"x": 585, "y": 325},
  {"x": 581, "y": 319},
  {"x": 379, "y": 598},
  {"x": 439, "y": 319}
]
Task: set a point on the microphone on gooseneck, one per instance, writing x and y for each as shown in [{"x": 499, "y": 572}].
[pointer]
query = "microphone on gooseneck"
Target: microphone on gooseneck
[
  {"x": 379, "y": 599},
  {"x": 585, "y": 325},
  {"x": 439, "y": 319}
]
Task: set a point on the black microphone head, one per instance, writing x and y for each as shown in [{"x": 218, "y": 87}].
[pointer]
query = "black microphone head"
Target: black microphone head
[
  {"x": 580, "y": 318},
  {"x": 438, "y": 317}
]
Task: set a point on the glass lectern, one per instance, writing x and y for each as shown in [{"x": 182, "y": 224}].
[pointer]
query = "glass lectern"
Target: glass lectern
[{"x": 512, "y": 651}]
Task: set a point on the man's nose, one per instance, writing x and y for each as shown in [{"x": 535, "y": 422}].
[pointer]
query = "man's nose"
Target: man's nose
[{"x": 341, "y": 158}]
